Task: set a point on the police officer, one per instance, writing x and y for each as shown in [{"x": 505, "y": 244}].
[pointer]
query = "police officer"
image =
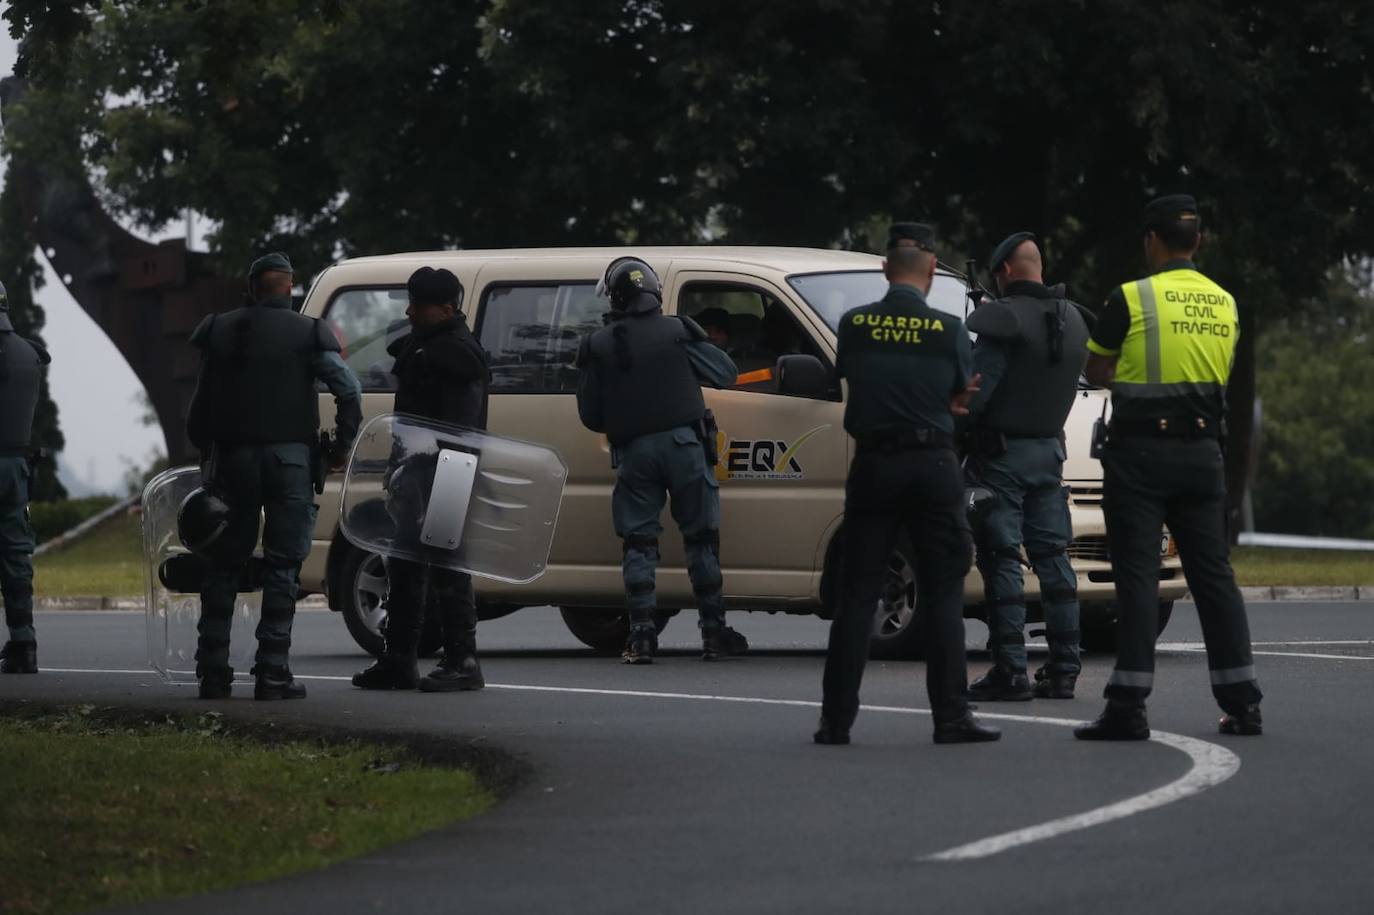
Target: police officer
[
  {"x": 441, "y": 374},
  {"x": 255, "y": 416},
  {"x": 21, "y": 362},
  {"x": 1164, "y": 345},
  {"x": 1031, "y": 347},
  {"x": 640, "y": 384},
  {"x": 908, "y": 371}
]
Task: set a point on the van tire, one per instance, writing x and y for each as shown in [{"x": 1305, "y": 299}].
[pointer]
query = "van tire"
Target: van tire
[
  {"x": 896, "y": 627},
  {"x": 362, "y": 603},
  {"x": 1098, "y": 627},
  {"x": 606, "y": 629}
]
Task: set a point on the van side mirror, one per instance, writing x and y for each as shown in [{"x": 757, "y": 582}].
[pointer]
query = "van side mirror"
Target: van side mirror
[{"x": 803, "y": 376}]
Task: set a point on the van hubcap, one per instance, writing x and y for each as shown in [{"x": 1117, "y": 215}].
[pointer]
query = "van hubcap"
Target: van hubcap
[
  {"x": 369, "y": 593},
  {"x": 897, "y": 603}
]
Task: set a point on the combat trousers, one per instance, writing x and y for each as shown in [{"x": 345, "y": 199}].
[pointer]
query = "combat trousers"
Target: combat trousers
[
  {"x": 651, "y": 469},
  {"x": 1031, "y": 507},
  {"x": 408, "y": 601},
  {"x": 258, "y": 480},
  {"x": 1179, "y": 482},
  {"x": 920, "y": 491},
  {"x": 16, "y": 548}
]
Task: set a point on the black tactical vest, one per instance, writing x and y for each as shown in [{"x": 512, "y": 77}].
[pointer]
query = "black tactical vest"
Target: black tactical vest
[
  {"x": 257, "y": 379},
  {"x": 20, "y": 362},
  {"x": 647, "y": 382},
  {"x": 1035, "y": 394}
]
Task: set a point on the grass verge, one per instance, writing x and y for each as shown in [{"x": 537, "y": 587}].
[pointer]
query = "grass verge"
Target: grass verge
[
  {"x": 104, "y": 810},
  {"x": 107, "y": 562},
  {"x": 1262, "y": 566}
]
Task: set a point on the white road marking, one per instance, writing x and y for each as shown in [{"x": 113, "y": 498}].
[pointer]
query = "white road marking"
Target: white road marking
[
  {"x": 1188, "y": 649},
  {"x": 1212, "y": 764}
]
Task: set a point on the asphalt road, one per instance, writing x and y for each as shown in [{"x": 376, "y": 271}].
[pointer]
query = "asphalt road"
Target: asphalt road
[{"x": 691, "y": 787}]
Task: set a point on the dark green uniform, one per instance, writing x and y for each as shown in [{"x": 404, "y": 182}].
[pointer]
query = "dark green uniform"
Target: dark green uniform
[
  {"x": 1030, "y": 352},
  {"x": 255, "y": 417},
  {"x": 904, "y": 361},
  {"x": 21, "y": 363}
]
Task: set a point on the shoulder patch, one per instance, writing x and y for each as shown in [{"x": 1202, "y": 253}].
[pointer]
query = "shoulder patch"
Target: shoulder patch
[{"x": 994, "y": 320}]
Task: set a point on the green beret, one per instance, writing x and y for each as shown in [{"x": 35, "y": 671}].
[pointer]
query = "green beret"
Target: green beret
[
  {"x": 1164, "y": 211},
  {"x": 274, "y": 261},
  {"x": 911, "y": 235},
  {"x": 1008, "y": 245}
]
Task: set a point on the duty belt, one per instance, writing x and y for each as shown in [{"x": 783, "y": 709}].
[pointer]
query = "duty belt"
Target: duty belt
[
  {"x": 903, "y": 439},
  {"x": 1165, "y": 427}
]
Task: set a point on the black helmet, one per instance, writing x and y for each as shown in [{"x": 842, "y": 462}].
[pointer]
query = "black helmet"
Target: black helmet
[
  {"x": 631, "y": 285},
  {"x": 201, "y": 522}
]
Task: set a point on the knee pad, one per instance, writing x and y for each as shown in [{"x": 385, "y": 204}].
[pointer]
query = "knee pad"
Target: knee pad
[
  {"x": 710, "y": 539},
  {"x": 641, "y": 543},
  {"x": 1059, "y": 595},
  {"x": 1046, "y": 552}
]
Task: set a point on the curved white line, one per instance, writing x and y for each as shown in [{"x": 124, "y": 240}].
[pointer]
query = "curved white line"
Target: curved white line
[{"x": 1212, "y": 764}]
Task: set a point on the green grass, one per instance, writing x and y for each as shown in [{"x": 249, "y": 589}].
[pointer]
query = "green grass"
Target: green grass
[
  {"x": 99, "y": 813},
  {"x": 1261, "y": 566},
  {"x": 107, "y": 562}
]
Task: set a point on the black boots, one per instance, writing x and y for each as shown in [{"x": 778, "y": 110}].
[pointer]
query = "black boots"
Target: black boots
[
  {"x": 1053, "y": 686},
  {"x": 19, "y": 658},
  {"x": 1000, "y": 685},
  {"x": 215, "y": 682},
  {"x": 397, "y": 668},
  {"x": 831, "y": 734},
  {"x": 459, "y": 669},
  {"x": 965, "y": 729},
  {"x": 1244, "y": 723},
  {"x": 275, "y": 682},
  {"x": 1117, "y": 722},
  {"x": 722, "y": 642},
  {"x": 639, "y": 649}
]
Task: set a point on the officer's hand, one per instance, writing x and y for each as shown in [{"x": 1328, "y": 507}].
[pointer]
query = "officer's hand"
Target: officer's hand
[{"x": 958, "y": 404}]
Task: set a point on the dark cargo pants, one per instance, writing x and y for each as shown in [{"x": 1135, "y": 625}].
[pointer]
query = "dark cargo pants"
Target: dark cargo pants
[
  {"x": 921, "y": 491},
  {"x": 1150, "y": 483},
  {"x": 651, "y": 469},
  {"x": 1031, "y": 508},
  {"x": 16, "y": 548},
  {"x": 259, "y": 480}
]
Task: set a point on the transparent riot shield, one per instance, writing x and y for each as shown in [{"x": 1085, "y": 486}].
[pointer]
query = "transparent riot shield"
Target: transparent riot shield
[
  {"x": 452, "y": 497},
  {"x": 173, "y": 575}
]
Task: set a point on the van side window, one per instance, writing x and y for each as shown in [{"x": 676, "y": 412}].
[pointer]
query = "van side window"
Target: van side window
[
  {"x": 532, "y": 333},
  {"x": 752, "y": 326},
  {"x": 366, "y": 321}
]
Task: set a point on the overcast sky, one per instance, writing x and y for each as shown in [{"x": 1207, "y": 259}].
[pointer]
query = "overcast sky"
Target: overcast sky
[{"x": 96, "y": 391}]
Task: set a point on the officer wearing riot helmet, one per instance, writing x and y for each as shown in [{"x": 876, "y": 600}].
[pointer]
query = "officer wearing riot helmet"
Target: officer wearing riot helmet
[
  {"x": 21, "y": 363},
  {"x": 1164, "y": 345},
  {"x": 1031, "y": 347},
  {"x": 908, "y": 368},
  {"x": 640, "y": 384},
  {"x": 442, "y": 374},
  {"x": 255, "y": 416}
]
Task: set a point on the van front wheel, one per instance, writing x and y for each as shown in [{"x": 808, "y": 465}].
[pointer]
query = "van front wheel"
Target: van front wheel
[
  {"x": 363, "y": 604},
  {"x": 605, "y": 629}
]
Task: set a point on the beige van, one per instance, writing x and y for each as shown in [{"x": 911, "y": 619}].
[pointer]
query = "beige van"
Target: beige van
[{"x": 784, "y": 452}]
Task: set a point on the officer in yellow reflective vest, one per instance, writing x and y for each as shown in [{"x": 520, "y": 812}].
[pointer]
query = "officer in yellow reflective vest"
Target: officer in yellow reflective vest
[{"x": 1164, "y": 346}]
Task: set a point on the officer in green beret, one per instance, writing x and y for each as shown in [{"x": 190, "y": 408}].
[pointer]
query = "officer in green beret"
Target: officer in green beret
[
  {"x": 1032, "y": 343},
  {"x": 1164, "y": 345},
  {"x": 908, "y": 367},
  {"x": 21, "y": 370},
  {"x": 255, "y": 418}
]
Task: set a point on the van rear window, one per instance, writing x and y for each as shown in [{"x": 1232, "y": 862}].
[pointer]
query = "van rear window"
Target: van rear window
[{"x": 532, "y": 333}]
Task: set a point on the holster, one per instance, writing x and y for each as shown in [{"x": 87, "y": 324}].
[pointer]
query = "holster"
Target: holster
[{"x": 709, "y": 433}]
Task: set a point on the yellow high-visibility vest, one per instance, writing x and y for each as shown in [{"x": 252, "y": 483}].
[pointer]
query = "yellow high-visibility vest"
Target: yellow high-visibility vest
[{"x": 1181, "y": 341}]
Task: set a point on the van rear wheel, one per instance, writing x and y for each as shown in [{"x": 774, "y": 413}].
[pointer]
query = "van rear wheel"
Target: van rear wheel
[
  {"x": 896, "y": 626},
  {"x": 363, "y": 604},
  {"x": 605, "y": 629}
]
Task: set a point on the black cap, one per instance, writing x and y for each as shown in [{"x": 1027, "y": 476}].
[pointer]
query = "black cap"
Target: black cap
[
  {"x": 911, "y": 235},
  {"x": 1008, "y": 245},
  {"x": 274, "y": 261},
  {"x": 714, "y": 317},
  {"x": 1163, "y": 211},
  {"x": 428, "y": 286}
]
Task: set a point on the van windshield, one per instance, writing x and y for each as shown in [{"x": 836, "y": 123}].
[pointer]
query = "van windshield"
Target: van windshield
[{"x": 830, "y": 295}]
